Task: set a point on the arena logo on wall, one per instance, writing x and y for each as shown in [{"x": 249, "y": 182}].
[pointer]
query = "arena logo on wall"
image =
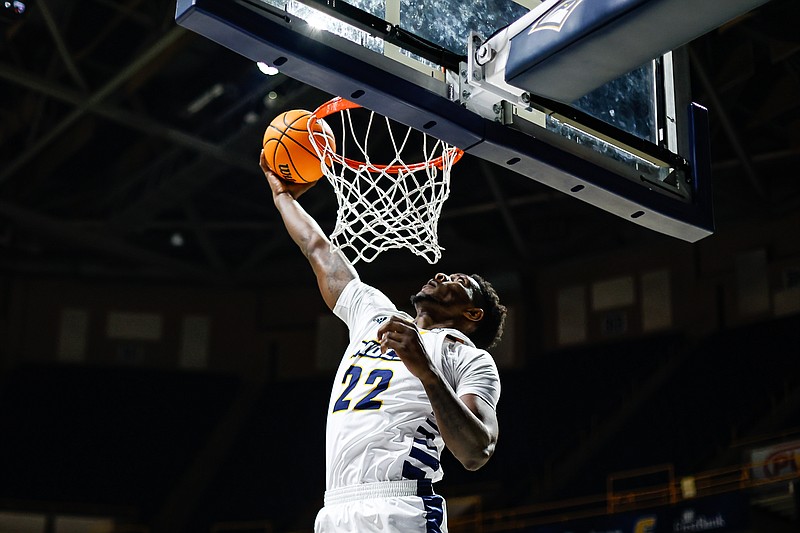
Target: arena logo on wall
[
  {"x": 645, "y": 524},
  {"x": 689, "y": 522},
  {"x": 780, "y": 460}
]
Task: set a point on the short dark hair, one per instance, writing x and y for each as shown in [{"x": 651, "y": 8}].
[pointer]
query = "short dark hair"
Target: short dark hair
[{"x": 490, "y": 328}]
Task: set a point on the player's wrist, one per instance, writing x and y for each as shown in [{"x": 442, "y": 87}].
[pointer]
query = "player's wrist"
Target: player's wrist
[
  {"x": 277, "y": 196},
  {"x": 430, "y": 378}
]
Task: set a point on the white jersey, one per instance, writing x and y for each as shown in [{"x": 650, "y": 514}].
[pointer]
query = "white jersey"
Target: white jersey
[{"x": 380, "y": 422}]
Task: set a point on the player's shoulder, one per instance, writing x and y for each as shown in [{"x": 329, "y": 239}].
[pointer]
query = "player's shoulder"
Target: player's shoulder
[
  {"x": 457, "y": 344},
  {"x": 460, "y": 359},
  {"x": 456, "y": 340}
]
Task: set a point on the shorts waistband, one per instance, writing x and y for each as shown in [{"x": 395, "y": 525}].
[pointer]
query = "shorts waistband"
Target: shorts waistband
[{"x": 383, "y": 489}]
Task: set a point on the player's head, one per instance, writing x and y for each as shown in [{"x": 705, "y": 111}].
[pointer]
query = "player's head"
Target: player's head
[
  {"x": 468, "y": 303},
  {"x": 489, "y": 329}
]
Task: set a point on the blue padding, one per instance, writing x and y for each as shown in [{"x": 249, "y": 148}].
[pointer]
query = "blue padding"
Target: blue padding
[
  {"x": 563, "y": 26},
  {"x": 578, "y": 45}
]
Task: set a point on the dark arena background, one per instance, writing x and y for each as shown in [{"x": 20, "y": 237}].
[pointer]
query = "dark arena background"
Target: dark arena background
[{"x": 165, "y": 357}]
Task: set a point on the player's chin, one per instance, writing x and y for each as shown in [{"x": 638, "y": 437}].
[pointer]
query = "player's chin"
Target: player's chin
[{"x": 422, "y": 297}]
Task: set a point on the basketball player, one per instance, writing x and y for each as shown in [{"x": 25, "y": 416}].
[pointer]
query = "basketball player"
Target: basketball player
[{"x": 406, "y": 387}]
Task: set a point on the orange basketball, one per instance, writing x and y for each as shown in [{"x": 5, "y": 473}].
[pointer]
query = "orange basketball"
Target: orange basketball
[{"x": 289, "y": 149}]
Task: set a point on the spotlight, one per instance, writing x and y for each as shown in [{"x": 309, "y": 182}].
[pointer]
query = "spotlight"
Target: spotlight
[{"x": 269, "y": 99}]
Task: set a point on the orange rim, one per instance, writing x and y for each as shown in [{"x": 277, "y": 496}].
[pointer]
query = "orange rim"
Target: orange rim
[{"x": 339, "y": 104}]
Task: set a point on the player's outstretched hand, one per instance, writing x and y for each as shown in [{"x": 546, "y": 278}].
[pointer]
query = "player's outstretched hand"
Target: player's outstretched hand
[
  {"x": 279, "y": 186},
  {"x": 402, "y": 336}
]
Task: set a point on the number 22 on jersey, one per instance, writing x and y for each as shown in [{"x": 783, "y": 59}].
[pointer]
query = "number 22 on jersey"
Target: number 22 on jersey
[{"x": 379, "y": 378}]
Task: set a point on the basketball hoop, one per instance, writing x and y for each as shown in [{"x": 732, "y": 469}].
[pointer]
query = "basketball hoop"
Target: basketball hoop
[{"x": 384, "y": 206}]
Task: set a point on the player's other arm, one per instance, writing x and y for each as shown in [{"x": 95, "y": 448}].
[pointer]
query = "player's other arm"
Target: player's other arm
[
  {"x": 468, "y": 424},
  {"x": 333, "y": 270}
]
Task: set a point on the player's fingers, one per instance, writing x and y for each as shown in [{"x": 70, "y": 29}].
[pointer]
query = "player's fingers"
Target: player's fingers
[
  {"x": 399, "y": 341},
  {"x": 388, "y": 341},
  {"x": 397, "y": 324},
  {"x": 383, "y": 328},
  {"x": 271, "y": 176}
]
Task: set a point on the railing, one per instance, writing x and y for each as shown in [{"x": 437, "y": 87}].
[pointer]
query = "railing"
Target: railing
[{"x": 673, "y": 491}]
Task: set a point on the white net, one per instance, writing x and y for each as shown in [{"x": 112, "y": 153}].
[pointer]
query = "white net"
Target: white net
[{"x": 387, "y": 205}]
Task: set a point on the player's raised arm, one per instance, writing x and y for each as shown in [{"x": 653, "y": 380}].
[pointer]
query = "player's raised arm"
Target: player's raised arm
[{"x": 332, "y": 269}]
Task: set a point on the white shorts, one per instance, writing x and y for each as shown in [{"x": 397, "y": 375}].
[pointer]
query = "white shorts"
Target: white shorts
[{"x": 388, "y": 507}]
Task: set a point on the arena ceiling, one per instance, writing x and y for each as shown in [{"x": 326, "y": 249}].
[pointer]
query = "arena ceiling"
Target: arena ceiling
[{"x": 129, "y": 147}]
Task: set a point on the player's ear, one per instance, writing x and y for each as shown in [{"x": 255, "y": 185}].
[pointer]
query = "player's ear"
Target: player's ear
[{"x": 474, "y": 314}]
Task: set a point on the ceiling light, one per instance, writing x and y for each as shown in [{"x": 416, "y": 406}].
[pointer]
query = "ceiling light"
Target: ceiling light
[
  {"x": 206, "y": 98},
  {"x": 266, "y": 69}
]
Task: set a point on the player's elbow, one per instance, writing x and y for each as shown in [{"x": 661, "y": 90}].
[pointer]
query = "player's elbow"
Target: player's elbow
[
  {"x": 316, "y": 247},
  {"x": 476, "y": 460}
]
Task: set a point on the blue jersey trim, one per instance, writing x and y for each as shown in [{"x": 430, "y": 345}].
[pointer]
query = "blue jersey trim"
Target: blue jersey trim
[
  {"x": 412, "y": 472},
  {"x": 424, "y": 458}
]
